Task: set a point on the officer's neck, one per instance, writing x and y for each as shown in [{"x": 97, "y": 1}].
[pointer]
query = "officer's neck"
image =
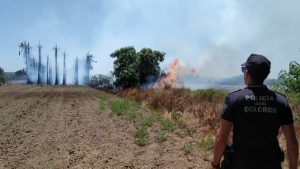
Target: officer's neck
[{"x": 255, "y": 84}]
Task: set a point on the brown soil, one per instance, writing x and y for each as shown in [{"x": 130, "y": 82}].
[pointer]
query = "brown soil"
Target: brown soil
[{"x": 62, "y": 127}]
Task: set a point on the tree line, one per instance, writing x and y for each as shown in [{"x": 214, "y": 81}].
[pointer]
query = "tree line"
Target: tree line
[{"x": 40, "y": 73}]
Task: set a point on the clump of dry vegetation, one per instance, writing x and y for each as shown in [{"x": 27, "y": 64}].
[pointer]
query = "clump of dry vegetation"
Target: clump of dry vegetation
[{"x": 199, "y": 107}]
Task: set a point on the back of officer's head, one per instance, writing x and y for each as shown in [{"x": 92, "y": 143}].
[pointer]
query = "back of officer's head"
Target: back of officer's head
[{"x": 258, "y": 67}]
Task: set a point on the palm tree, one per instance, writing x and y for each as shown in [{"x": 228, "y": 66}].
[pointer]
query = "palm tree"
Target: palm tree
[
  {"x": 56, "y": 66},
  {"x": 25, "y": 49},
  {"x": 65, "y": 74},
  {"x": 88, "y": 67},
  {"x": 39, "y": 81}
]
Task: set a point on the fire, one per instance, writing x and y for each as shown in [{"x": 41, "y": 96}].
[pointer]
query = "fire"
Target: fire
[
  {"x": 172, "y": 79},
  {"x": 172, "y": 76}
]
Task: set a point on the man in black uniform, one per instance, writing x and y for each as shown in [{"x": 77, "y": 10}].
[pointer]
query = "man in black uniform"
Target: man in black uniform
[{"x": 256, "y": 113}]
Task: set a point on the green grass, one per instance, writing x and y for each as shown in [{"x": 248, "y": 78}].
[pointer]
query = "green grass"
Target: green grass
[
  {"x": 118, "y": 107},
  {"x": 150, "y": 119},
  {"x": 206, "y": 143},
  {"x": 141, "y": 135},
  {"x": 140, "y": 141},
  {"x": 167, "y": 124},
  {"x": 188, "y": 148},
  {"x": 192, "y": 130},
  {"x": 181, "y": 123},
  {"x": 161, "y": 136},
  {"x": 102, "y": 107},
  {"x": 124, "y": 107},
  {"x": 142, "y": 132},
  {"x": 103, "y": 96},
  {"x": 132, "y": 111}
]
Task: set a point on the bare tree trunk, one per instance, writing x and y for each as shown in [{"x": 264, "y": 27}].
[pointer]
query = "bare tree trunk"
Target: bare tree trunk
[
  {"x": 65, "y": 74},
  {"x": 48, "y": 80},
  {"x": 39, "y": 81},
  {"x": 76, "y": 71},
  {"x": 56, "y": 66},
  {"x": 50, "y": 74},
  {"x": 87, "y": 70},
  {"x": 27, "y": 53}
]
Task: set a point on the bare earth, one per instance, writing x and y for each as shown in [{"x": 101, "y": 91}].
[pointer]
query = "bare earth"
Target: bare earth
[{"x": 62, "y": 127}]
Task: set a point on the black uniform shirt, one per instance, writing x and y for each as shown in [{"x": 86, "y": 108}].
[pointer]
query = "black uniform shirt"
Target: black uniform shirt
[{"x": 257, "y": 114}]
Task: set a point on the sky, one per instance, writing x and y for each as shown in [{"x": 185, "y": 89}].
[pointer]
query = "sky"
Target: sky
[{"x": 213, "y": 37}]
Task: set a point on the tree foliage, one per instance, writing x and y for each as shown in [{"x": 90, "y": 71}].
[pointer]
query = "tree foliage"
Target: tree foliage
[
  {"x": 2, "y": 76},
  {"x": 132, "y": 68},
  {"x": 126, "y": 67},
  {"x": 290, "y": 80},
  {"x": 149, "y": 64}
]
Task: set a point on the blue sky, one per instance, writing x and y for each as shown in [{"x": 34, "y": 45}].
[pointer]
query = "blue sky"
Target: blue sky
[{"x": 214, "y": 37}]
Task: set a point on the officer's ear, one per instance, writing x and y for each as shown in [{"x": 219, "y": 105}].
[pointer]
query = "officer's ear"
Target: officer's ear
[{"x": 247, "y": 77}]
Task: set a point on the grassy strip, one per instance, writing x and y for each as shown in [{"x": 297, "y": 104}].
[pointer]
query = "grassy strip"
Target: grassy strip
[{"x": 131, "y": 111}]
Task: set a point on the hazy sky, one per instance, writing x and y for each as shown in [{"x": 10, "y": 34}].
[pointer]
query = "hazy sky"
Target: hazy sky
[{"x": 214, "y": 37}]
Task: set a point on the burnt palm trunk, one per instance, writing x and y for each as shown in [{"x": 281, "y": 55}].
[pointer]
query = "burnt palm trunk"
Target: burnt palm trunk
[
  {"x": 39, "y": 81},
  {"x": 76, "y": 72},
  {"x": 56, "y": 66},
  {"x": 48, "y": 80},
  {"x": 50, "y": 74},
  {"x": 65, "y": 74}
]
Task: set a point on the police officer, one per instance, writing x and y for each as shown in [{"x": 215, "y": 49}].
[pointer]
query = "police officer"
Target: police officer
[{"x": 255, "y": 114}]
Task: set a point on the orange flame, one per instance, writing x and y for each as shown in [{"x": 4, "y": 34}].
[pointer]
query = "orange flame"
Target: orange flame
[{"x": 172, "y": 78}]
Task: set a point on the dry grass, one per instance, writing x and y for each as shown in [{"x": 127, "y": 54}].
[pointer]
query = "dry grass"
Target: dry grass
[{"x": 201, "y": 106}]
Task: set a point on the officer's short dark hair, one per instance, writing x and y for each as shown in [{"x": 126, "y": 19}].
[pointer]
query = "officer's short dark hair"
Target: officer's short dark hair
[{"x": 258, "y": 66}]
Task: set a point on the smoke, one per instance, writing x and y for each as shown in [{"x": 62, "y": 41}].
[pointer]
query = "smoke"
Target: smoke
[{"x": 213, "y": 36}]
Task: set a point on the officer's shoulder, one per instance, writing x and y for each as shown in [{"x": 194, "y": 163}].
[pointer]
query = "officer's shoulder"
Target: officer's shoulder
[
  {"x": 235, "y": 92},
  {"x": 280, "y": 94}
]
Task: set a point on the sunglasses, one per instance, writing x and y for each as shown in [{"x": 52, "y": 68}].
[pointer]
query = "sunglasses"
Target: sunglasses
[{"x": 243, "y": 68}]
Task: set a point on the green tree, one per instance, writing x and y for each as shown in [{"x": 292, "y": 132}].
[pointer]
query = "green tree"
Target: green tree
[
  {"x": 149, "y": 64},
  {"x": 126, "y": 67},
  {"x": 132, "y": 68},
  {"x": 289, "y": 81},
  {"x": 2, "y": 76},
  {"x": 21, "y": 72}
]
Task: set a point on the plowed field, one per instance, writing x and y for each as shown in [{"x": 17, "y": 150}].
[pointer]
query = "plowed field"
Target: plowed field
[{"x": 63, "y": 127}]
